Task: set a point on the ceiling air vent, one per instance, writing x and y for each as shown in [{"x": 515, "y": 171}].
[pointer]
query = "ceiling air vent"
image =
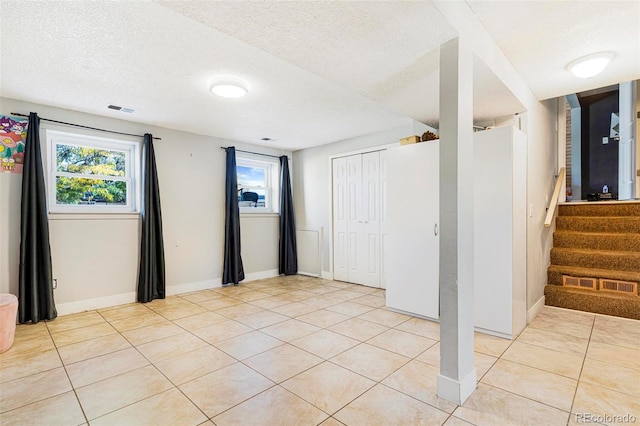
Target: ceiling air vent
[
  {"x": 625, "y": 287},
  {"x": 123, "y": 109},
  {"x": 579, "y": 282}
]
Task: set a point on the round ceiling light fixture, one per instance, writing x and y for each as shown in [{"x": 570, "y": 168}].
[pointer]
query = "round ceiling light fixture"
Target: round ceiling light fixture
[
  {"x": 229, "y": 88},
  {"x": 590, "y": 65}
]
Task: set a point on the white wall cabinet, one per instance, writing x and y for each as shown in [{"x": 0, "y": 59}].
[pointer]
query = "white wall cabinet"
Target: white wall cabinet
[
  {"x": 500, "y": 169},
  {"x": 413, "y": 244},
  {"x": 357, "y": 218}
]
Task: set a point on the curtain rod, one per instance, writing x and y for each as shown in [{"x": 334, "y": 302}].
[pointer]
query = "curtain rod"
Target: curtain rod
[
  {"x": 84, "y": 127},
  {"x": 255, "y": 153}
]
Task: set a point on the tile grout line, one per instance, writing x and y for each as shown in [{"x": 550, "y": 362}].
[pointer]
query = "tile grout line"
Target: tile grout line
[
  {"x": 159, "y": 371},
  {"x": 73, "y": 388},
  {"x": 313, "y": 366},
  {"x": 584, "y": 359}
]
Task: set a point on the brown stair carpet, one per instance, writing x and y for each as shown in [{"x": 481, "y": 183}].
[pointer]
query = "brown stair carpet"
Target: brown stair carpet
[{"x": 596, "y": 240}]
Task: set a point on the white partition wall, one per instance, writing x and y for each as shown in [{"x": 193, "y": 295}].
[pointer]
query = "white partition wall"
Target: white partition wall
[
  {"x": 500, "y": 215},
  {"x": 412, "y": 220},
  {"x": 383, "y": 219}
]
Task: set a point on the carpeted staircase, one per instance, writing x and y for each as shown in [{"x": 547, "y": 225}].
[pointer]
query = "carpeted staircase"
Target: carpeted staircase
[{"x": 594, "y": 240}]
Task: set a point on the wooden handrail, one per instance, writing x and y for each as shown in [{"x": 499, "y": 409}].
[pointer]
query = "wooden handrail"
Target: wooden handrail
[{"x": 551, "y": 210}]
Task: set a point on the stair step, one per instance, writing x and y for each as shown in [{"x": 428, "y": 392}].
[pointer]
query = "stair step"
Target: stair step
[
  {"x": 597, "y": 240},
  {"x": 601, "y": 259},
  {"x": 599, "y": 302},
  {"x": 555, "y": 273},
  {"x": 610, "y": 209},
  {"x": 604, "y": 224}
]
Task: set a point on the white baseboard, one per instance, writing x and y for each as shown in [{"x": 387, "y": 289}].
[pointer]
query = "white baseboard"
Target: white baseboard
[
  {"x": 327, "y": 275},
  {"x": 96, "y": 303},
  {"x": 194, "y": 286},
  {"x": 411, "y": 314},
  {"x": 535, "y": 310},
  {"x": 493, "y": 333},
  {"x": 309, "y": 274},
  {"x": 74, "y": 307},
  {"x": 260, "y": 275}
]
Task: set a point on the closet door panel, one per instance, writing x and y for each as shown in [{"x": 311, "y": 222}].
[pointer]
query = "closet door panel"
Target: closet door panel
[
  {"x": 356, "y": 271},
  {"x": 340, "y": 219},
  {"x": 370, "y": 223},
  {"x": 357, "y": 218}
]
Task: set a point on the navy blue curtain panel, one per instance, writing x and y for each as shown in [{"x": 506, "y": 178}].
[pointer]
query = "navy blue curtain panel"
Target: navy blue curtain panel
[
  {"x": 35, "y": 280},
  {"x": 288, "y": 255},
  {"x": 151, "y": 272},
  {"x": 232, "y": 270}
]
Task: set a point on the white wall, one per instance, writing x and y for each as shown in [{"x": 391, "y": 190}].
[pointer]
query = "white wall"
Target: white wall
[
  {"x": 541, "y": 168},
  {"x": 312, "y": 180},
  {"x": 95, "y": 260}
]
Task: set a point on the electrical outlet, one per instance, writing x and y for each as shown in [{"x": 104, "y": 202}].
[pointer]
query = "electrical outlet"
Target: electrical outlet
[
  {"x": 55, "y": 283},
  {"x": 605, "y": 140}
]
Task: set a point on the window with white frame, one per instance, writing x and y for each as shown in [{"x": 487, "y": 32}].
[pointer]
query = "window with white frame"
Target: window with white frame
[
  {"x": 258, "y": 184},
  {"x": 92, "y": 175}
]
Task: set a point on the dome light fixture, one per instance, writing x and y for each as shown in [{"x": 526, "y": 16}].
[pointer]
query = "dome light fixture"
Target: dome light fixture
[
  {"x": 229, "y": 88},
  {"x": 590, "y": 65}
]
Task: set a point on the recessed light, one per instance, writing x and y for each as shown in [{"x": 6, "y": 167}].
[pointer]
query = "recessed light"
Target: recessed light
[
  {"x": 590, "y": 65},
  {"x": 229, "y": 88}
]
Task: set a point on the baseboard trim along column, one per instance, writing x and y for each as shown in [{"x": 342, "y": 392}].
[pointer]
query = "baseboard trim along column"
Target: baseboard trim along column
[
  {"x": 457, "y": 391},
  {"x": 535, "y": 310}
]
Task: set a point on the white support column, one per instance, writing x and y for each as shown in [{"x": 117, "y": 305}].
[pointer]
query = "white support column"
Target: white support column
[
  {"x": 627, "y": 145},
  {"x": 457, "y": 378}
]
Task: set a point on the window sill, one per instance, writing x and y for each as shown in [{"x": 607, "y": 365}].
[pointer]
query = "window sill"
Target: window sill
[
  {"x": 259, "y": 214},
  {"x": 94, "y": 216}
]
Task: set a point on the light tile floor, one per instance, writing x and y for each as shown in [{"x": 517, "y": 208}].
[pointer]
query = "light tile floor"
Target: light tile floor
[{"x": 306, "y": 351}]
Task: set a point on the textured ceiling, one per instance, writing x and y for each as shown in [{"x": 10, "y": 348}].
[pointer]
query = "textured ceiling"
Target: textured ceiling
[
  {"x": 385, "y": 51},
  {"x": 540, "y": 38},
  {"x": 317, "y": 71}
]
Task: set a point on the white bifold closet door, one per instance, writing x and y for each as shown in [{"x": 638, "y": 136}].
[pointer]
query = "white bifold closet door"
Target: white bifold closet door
[{"x": 357, "y": 219}]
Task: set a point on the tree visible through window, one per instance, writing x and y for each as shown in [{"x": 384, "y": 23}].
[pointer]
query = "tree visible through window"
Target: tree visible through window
[
  {"x": 75, "y": 161},
  {"x": 86, "y": 172}
]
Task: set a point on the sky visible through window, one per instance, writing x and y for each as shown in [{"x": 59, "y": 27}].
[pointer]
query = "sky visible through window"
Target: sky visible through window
[{"x": 251, "y": 176}]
